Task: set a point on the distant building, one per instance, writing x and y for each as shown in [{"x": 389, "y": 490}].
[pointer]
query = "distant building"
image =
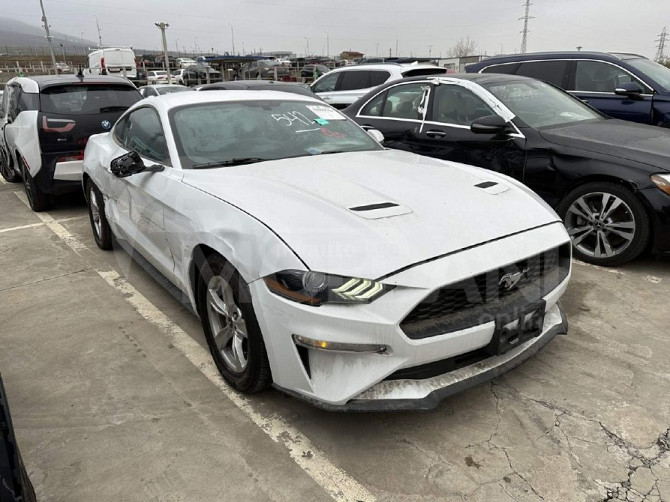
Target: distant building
[
  {"x": 458, "y": 64},
  {"x": 351, "y": 55}
]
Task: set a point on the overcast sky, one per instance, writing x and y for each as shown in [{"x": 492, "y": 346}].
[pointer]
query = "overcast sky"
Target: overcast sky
[{"x": 368, "y": 26}]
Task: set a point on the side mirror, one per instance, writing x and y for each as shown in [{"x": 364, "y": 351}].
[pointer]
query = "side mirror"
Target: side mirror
[
  {"x": 376, "y": 135},
  {"x": 491, "y": 124},
  {"x": 127, "y": 164},
  {"x": 628, "y": 89}
]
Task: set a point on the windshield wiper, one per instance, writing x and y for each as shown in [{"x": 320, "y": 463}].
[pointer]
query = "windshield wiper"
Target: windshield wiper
[{"x": 231, "y": 162}]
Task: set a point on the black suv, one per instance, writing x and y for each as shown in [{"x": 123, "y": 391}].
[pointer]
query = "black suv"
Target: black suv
[
  {"x": 623, "y": 86},
  {"x": 45, "y": 123}
]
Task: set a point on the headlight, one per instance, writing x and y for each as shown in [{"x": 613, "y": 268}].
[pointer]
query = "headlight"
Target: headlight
[
  {"x": 316, "y": 288},
  {"x": 662, "y": 181}
]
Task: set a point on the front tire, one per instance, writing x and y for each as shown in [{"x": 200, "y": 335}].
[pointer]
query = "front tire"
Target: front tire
[
  {"x": 231, "y": 328},
  {"x": 38, "y": 200},
  {"x": 607, "y": 223},
  {"x": 102, "y": 233},
  {"x": 6, "y": 169}
]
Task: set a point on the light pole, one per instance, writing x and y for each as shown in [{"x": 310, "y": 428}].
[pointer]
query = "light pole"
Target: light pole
[
  {"x": 195, "y": 44},
  {"x": 46, "y": 28},
  {"x": 163, "y": 27},
  {"x": 62, "y": 49},
  {"x": 232, "y": 38},
  {"x": 430, "y": 50},
  {"x": 307, "y": 49},
  {"x": 176, "y": 44}
]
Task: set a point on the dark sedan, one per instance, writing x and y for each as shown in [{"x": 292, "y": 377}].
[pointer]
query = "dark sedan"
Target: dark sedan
[{"x": 608, "y": 179}]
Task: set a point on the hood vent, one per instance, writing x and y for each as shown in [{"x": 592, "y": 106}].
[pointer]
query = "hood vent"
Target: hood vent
[
  {"x": 378, "y": 210},
  {"x": 370, "y": 207},
  {"x": 492, "y": 187}
]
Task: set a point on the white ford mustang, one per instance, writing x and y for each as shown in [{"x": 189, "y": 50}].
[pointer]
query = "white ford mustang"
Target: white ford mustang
[{"x": 354, "y": 277}]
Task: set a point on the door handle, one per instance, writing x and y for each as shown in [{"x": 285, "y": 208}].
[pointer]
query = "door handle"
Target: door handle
[{"x": 436, "y": 134}]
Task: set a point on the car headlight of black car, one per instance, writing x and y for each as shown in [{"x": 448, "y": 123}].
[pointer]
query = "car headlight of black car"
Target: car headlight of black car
[
  {"x": 317, "y": 288},
  {"x": 662, "y": 181}
]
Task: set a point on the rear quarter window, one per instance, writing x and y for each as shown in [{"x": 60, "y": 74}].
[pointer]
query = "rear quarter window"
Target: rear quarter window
[{"x": 81, "y": 99}]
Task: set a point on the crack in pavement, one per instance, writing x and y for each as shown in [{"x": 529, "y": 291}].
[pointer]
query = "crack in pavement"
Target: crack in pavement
[{"x": 45, "y": 279}]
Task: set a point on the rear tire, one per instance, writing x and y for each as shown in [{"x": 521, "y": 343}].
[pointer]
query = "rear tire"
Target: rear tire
[
  {"x": 38, "y": 200},
  {"x": 607, "y": 223},
  {"x": 231, "y": 327},
  {"x": 6, "y": 170},
  {"x": 102, "y": 233}
]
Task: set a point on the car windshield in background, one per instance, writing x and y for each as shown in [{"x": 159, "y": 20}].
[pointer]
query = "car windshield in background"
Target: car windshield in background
[
  {"x": 82, "y": 99},
  {"x": 658, "y": 72},
  {"x": 540, "y": 105},
  {"x": 231, "y": 133}
]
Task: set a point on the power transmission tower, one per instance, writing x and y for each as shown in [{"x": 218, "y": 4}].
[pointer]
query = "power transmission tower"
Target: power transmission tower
[
  {"x": 525, "y": 18},
  {"x": 46, "y": 28},
  {"x": 163, "y": 27},
  {"x": 663, "y": 37}
]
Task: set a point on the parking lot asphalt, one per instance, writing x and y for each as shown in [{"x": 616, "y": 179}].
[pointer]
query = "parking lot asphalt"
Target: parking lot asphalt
[{"x": 114, "y": 396}]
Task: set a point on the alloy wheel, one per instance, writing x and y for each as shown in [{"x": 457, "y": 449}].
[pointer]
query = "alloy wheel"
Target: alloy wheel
[
  {"x": 600, "y": 224},
  {"x": 227, "y": 324}
]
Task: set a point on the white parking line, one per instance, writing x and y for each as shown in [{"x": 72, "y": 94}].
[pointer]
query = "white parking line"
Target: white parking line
[
  {"x": 313, "y": 461},
  {"x": 2, "y": 181},
  {"x": 21, "y": 227}
]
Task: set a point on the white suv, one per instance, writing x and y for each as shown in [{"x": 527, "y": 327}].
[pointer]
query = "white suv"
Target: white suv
[{"x": 342, "y": 86}]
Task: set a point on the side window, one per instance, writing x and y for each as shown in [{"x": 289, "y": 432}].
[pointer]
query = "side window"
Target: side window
[
  {"x": 378, "y": 77},
  {"x": 354, "y": 79},
  {"x": 403, "y": 101},
  {"x": 552, "y": 72},
  {"x": 13, "y": 101},
  {"x": 374, "y": 107},
  {"x": 509, "y": 68},
  {"x": 144, "y": 135},
  {"x": 120, "y": 130},
  {"x": 327, "y": 83},
  {"x": 453, "y": 104},
  {"x": 595, "y": 76}
]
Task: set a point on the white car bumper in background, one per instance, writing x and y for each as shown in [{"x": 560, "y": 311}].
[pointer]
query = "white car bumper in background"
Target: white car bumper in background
[{"x": 69, "y": 171}]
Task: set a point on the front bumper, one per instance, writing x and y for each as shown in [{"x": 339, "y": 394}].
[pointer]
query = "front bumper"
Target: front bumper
[
  {"x": 658, "y": 206},
  {"x": 426, "y": 394},
  {"x": 346, "y": 379}
]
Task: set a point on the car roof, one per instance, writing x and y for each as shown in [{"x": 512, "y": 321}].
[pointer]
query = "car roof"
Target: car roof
[
  {"x": 385, "y": 66},
  {"x": 39, "y": 82},
  {"x": 177, "y": 99},
  {"x": 530, "y": 56}
]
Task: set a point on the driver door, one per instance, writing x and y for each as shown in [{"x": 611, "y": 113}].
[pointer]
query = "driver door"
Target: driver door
[
  {"x": 137, "y": 200},
  {"x": 447, "y": 134}
]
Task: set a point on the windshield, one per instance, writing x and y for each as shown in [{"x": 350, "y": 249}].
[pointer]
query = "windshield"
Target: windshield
[
  {"x": 541, "y": 105},
  {"x": 657, "y": 72},
  {"x": 216, "y": 134},
  {"x": 81, "y": 99}
]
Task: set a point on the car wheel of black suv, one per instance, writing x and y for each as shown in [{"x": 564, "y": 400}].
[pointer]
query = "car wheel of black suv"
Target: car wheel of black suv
[
  {"x": 38, "y": 200},
  {"x": 102, "y": 233},
  {"x": 231, "y": 327},
  {"x": 607, "y": 223},
  {"x": 6, "y": 170}
]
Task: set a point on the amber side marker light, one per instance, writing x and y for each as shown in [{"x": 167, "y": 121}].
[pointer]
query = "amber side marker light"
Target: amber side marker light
[
  {"x": 370, "y": 348},
  {"x": 662, "y": 181}
]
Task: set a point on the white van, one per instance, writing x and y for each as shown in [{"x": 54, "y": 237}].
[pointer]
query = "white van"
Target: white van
[{"x": 112, "y": 61}]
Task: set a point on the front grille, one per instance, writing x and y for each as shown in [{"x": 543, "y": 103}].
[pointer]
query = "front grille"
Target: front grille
[{"x": 478, "y": 299}]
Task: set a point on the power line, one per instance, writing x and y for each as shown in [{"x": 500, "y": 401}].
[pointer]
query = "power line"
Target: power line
[
  {"x": 525, "y": 18},
  {"x": 662, "y": 38}
]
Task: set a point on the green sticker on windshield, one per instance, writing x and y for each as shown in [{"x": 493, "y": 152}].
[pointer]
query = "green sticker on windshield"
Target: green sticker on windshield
[{"x": 321, "y": 121}]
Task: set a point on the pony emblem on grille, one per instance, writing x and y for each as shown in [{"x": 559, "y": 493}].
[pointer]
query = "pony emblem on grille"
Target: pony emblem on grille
[{"x": 508, "y": 281}]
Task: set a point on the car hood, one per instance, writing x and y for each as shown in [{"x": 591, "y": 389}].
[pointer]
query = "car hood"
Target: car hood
[
  {"x": 616, "y": 138},
  {"x": 368, "y": 214}
]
